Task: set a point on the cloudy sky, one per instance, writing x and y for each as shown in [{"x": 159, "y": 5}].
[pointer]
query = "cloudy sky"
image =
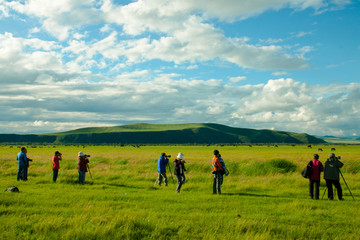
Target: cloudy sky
[{"x": 266, "y": 64}]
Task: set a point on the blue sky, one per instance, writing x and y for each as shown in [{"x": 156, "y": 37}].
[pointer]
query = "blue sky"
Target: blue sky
[{"x": 263, "y": 64}]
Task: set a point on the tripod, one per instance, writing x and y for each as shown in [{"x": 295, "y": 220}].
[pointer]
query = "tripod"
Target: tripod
[
  {"x": 89, "y": 171},
  {"x": 171, "y": 173},
  {"x": 346, "y": 184}
]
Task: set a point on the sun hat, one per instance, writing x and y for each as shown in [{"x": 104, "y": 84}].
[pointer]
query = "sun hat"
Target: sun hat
[
  {"x": 180, "y": 156},
  {"x": 81, "y": 154}
]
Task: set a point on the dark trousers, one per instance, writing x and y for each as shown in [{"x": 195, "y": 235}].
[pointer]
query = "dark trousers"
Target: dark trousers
[
  {"x": 336, "y": 183},
  {"x": 161, "y": 177},
  {"x": 81, "y": 177},
  {"x": 21, "y": 173},
  {"x": 180, "y": 181},
  {"x": 311, "y": 188},
  {"x": 55, "y": 174},
  {"x": 26, "y": 173},
  {"x": 217, "y": 183}
]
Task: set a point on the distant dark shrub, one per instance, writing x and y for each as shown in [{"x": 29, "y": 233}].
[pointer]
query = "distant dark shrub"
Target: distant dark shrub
[{"x": 274, "y": 166}]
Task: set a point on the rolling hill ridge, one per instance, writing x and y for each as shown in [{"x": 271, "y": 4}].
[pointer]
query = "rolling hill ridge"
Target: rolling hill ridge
[{"x": 143, "y": 133}]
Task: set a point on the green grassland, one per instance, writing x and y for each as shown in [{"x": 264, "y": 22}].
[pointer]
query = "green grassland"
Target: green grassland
[{"x": 264, "y": 197}]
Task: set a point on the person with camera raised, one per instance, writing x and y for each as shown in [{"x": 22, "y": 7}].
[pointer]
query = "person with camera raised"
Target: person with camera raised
[
  {"x": 82, "y": 166},
  {"x": 56, "y": 165},
  {"x": 331, "y": 175},
  {"x": 162, "y": 162},
  {"x": 217, "y": 172},
  {"x": 179, "y": 169}
]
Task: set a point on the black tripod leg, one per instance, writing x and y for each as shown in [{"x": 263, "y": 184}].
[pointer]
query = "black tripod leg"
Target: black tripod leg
[
  {"x": 346, "y": 184},
  {"x": 324, "y": 193}
]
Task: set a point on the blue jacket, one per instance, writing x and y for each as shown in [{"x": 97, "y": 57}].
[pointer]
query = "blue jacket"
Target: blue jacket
[
  {"x": 22, "y": 159},
  {"x": 162, "y": 164},
  {"x": 223, "y": 166}
]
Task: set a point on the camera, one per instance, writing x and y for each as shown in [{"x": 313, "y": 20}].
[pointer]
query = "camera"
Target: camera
[
  {"x": 338, "y": 157},
  {"x": 169, "y": 156},
  {"x": 86, "y": 156}
]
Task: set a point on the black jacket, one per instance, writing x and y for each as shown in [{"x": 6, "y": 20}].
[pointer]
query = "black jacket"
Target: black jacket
[{"x": 179, "y": 167}]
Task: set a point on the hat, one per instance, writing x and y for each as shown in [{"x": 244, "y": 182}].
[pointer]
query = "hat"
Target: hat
[
  {"x": 180, "y": 156},
  {"x": 81, "y": 154},
  {"x": 331, "y": 155}
]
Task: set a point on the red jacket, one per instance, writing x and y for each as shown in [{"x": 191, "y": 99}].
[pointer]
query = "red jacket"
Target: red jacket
[
  {"x": 55, "y": 161},
  {"x": 317, "y": 169},
  {"x": 82, "y": 164}
]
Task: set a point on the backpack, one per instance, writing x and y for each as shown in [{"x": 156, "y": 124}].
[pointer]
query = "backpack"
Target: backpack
[
  {"x": 12, "y": 189},
  {"x": 307, "y": 172}
]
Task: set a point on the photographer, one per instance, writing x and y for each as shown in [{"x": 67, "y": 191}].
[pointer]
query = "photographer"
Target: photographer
[
  {"x": 162, "y": 162},
  {"x": 82, "y": 166},
  {"x": 217, "y": 172},
  {"x": 56, "y": 165},
  {"x": 331, "y": 175},
  {"x": 23, "y": 164},
  {"x": 179, "y": 169}
]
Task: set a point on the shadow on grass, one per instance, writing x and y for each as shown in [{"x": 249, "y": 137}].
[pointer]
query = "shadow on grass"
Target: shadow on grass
[
  {"x": 248, "y": 194},
  {"x": 120, "y": 185}
]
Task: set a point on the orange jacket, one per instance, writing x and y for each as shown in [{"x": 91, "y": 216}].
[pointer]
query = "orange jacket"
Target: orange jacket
[{"x": 217, "y": 166}]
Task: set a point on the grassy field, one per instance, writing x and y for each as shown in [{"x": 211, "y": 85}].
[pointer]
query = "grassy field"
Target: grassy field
[{"x": 264, "y": 197}]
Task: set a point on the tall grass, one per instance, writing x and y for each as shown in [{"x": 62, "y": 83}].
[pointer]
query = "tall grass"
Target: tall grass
[{"x": 264, "y": 197}]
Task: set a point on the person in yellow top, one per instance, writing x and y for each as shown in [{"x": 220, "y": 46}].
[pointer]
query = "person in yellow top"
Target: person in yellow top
[{"x": 217, "y": 172}]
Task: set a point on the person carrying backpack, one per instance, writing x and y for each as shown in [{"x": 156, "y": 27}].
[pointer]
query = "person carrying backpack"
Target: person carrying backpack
[
  {"x": 314, "y": 179},
  {"x": 331, "y": 176},
  {"x": 217, "y": 172}
]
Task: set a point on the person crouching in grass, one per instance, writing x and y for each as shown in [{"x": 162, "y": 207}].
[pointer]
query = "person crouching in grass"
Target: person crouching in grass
[
  {"x": 56, "y": 165},
  {"x": 82, "y": 166}
]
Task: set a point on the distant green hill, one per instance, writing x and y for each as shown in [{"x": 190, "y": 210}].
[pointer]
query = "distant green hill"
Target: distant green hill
[{"x": 143, "y": 133}]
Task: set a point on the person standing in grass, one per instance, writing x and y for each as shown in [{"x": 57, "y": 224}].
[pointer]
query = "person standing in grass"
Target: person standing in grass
[
  {"x": 56, "y": 165},
  {"x": 179, "y": 169},
  {"x": 314, "y": 179},
  {"x": 217, "y": 172},
  {"x": 331, "y": 176},
  {"x": 162, "y": 162},
  {"x": 82, "y": 166},
  {"x": 23, "y": 163}
]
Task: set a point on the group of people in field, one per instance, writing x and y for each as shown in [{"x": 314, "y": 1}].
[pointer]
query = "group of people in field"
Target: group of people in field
[
  {"x": 23, "y": 162},
  {"x": 331, "y": 171},
  {"x": 218, "y": 167},
  {"x": 331, "y": 175}
]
